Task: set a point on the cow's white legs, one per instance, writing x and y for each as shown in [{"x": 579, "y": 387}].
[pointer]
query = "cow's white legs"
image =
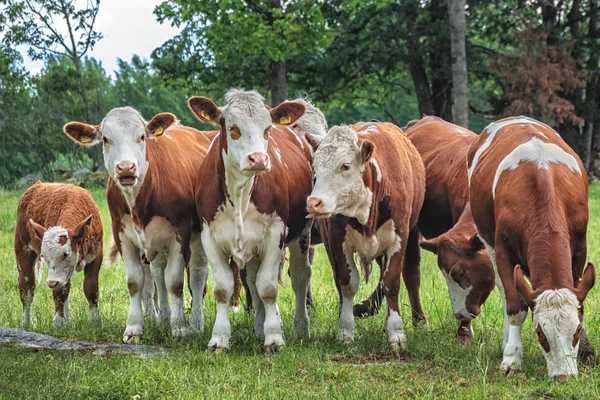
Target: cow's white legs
[
  {"x": 135, "y": 284},
  {"x": 157, "y": 267},
  {"x": 259, "y": 307},
  {"x": 267, "y": 281},
  {"x": 27, "y": 299},
  {"x": 198, "y": 270},
  {"x": 174, "y": 281},
  {"x": 148, "y": 292},
  {"x": 223, "y": 276},
  {"x": 300, "y": 275},
  {"x": 348, "y": 291}
]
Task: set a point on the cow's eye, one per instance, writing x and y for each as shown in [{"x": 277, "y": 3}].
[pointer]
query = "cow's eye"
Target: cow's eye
[
  {"x": 344, "y": 167},
  {"x": 65, "y": 255},
  {"x": 235, "y": 133},
  {"x": 266, "y": 133},
  {"x": 105, "y": 140},
  {"x": 141, "y": 138},
  {"x": 294, "y": 126}
]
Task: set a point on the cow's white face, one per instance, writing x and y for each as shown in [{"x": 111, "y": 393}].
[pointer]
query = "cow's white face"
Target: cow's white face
[
  {"x": 246, "y": 122},
  {"x": 123, "y": 134},
  {"x": 557, "y": 324},
  {"x": 312, "y": 122},
  {"x": 338, "y": 165},
  {"x": 59, "y": 250}
]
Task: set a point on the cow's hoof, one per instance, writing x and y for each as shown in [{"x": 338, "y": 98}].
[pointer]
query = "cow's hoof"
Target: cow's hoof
[
  {"x": 181, "y": 331},
  {"x": 273, "y": 343},
  {"x": 273, "y": 348},
  {"x": 510, "y": 365},
  {"x": 197, "y": 322},
  {"x": 346, "y": 336},
  {"x": 59, "y": 321},
  {"x": 133, "y": 334},
  {"x": 301, "y": 328},
  {"x": 218, "y": 344},
  {"x": 419, "y": 321},
  {"x": 132, "y": 339},
  {"x": 398, "y": 346},
  {"x": 465, "y": 340}
]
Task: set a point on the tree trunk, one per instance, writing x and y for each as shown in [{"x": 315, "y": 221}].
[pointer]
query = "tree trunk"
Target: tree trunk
[
  {"x": 592, "y": 101},
  {"x": 439, "y": 62},
  {"x": 278, "y": 83},
  {"x": 419, "y": 77},
  {"x": 460, "y": 86}
]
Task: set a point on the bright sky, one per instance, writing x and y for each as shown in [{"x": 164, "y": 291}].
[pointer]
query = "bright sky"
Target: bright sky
[{"x": 129, "y": 27}]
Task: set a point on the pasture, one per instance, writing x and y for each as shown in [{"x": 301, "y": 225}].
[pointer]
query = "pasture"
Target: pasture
[{"x": 436, "y": 367}]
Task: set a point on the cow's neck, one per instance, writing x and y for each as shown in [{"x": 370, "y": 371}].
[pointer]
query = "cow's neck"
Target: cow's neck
[{"x": 238, "y": 188}]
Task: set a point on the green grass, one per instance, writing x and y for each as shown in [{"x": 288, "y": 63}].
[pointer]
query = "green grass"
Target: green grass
[{"x": 435, "y": 368}]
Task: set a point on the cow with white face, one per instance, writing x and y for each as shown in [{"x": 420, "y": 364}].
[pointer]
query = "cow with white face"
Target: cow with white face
[
  {"x": 152, "y": 167},
  {"x": 312, "y": 123},
  {"x": 369, "y": 189},
  {"x": 529, "y": 195},
  {"x": 255, "y": 180}
]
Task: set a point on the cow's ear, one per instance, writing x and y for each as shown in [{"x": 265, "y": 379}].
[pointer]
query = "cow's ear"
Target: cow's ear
[
  {"x": 160, "y": 122},
  {"x": 37, "y": 229},
  {"x": 313, "y": 140},
  {"x": 83, "y": 134},
  {"x": 586, "y": 282},
  {"x": 431, "y": 244},
  {"x": 287, "y": 112},
  {"x": 523, "y": 287},
  {"x": 366, "y": 150},
  {"x": 205, "y": 110},
  {"x": 79, "y": 231}
]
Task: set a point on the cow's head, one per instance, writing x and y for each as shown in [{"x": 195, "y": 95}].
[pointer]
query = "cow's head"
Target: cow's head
[
  {"x": 468, "y": 271},
  {"x": 123, "y": 134},
  {"x": 246, "y": 123},
  {"x": 312, "y": 124},
  {"x": 60, "y": 250},
  {"x": 557, "y": 320},
  {"x": 339, "y": 162}
]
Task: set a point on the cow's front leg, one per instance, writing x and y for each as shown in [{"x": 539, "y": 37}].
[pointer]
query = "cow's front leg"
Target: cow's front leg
[
  {"x": 267, "y": 281},
  {"x": 223, "y": 277},
  {"x": 300, "y": 276},
  {"x": 348, "y": 279},
  {"x": 394, "y": 326},
  {"x": 135, "y": 285},
  {"x": 174, "y": 280},
  {"x": 157, "y": 268},
  {"x": 198, "y": 272}
]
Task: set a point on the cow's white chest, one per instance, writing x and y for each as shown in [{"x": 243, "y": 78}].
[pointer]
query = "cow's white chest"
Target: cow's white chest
[
  {"x": 458, "y": 296},
  {"x": 157, "y": 236},
  {"x": 385, "y": 241},
  {"x": 242, "y": 235}
]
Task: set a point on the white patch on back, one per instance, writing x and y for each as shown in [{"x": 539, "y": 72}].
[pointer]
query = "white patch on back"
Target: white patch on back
[
  {"x": 377, "y": 169},
  {"x": 535, "y": 150},
  {"x": 494, "y": 128}
]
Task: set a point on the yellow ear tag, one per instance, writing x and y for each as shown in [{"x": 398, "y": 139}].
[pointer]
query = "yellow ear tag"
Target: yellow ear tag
[
  {"x": 159, "y": 131},
  {"x": 85, "y": 139},
  {"x": 285, "y": 120},
  {"x": 205, "y": 115}
]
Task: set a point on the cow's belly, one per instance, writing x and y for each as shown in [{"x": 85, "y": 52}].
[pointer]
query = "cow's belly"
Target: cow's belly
[
  {"x": 155, "y": 238},
  {"x": 244, "y": 238},
  {"x": 385, "y": 241}
]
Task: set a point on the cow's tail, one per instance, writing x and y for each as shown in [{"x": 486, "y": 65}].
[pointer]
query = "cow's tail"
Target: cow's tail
[{"x": 371, "y": 305}]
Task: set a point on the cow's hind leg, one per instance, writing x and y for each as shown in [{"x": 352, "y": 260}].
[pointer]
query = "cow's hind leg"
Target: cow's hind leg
[
  {"x": 259, "y": 307},
  {"x": 174, "y": 276},
  {"x": 26, "y": 260},
  {"x": 198, "y": 272},
  {"x": 394, "y": 327},
  {"x": 412, "y": 277},
  {"x": 157, "y": 268},
  {"x": 300, "y": 276}
]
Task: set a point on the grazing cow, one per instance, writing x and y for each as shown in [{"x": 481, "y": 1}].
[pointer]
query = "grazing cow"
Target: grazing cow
[
  {"x": 369, "y": 189},
  {"x": 446, "y": 223},
  {"x": 151, "y": 200},
  {"x": 255, "y": 180},
  {"x": 61, "y": 224},
  {"x": 529, "y": 194}
]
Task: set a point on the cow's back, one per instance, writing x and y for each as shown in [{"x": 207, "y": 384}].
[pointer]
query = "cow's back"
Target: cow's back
[{"x": 443, "y": 147}]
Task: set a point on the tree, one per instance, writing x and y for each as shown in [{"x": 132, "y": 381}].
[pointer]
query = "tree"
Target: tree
[
  {"x": 460, "y": 88},
  {"x": 250, "y": 41}
]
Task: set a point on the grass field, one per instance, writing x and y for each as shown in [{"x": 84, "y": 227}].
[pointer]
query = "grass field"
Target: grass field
[{"x": 436, "y": 367}]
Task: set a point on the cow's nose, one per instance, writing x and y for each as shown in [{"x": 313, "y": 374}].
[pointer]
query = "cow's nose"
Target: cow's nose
[
  {"x": 126, "y": 167},
  {"x": 314, "y": 204},
  {"x": 52, "y": 284},
  {"x": 561, "y": 378},
  {"x": 258, "y": 161}
]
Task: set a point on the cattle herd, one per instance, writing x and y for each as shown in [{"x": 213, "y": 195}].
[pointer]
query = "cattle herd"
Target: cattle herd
[{"x": 506, "y": 208}]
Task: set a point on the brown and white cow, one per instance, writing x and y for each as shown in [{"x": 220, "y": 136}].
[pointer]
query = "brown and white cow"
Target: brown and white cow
[
  {"x": 446, "y": 224},
  {"x": 60, "y": 224},
  {"x": 529, "y": 194},
  {"x": 150, "y": 194},
  {"x": 255, "y": 180},
  {"x": 369, "y": 190}
]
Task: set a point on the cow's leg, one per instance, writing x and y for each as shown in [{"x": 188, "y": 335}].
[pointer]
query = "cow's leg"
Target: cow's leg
[
  {"x": 198, "y": 272},
  {"x": 249, "y": 298},
  {"x": 174, "y": 276},
  {"x": 394, "y": 327},
  {"x": 26, "y": 260},
  {"x": 149, "y": 292},
  {"x": 586, "y": 352},
  {"x": 300, "y": 276},
  {"x": 515, "y": 311},
  {"x": 348, "y": 277},
  {"x": 157, "y": 269},
  {"x": 267, "y": 282},
  {"x": 135, "y": 285},
  {"x": 259, "y": 318},
  {"x": 90, "y": 287},
  {"x": 223, "y": 277},
  {"x": 61, "y": 304},
  {"x": 412, "y": 276}
]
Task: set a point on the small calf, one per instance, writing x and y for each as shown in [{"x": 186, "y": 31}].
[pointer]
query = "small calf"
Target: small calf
[{"x": 61, "y": 224}]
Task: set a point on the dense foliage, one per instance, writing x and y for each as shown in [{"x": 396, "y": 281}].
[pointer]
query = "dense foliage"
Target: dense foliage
[{"x": 357, "y": 60}]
